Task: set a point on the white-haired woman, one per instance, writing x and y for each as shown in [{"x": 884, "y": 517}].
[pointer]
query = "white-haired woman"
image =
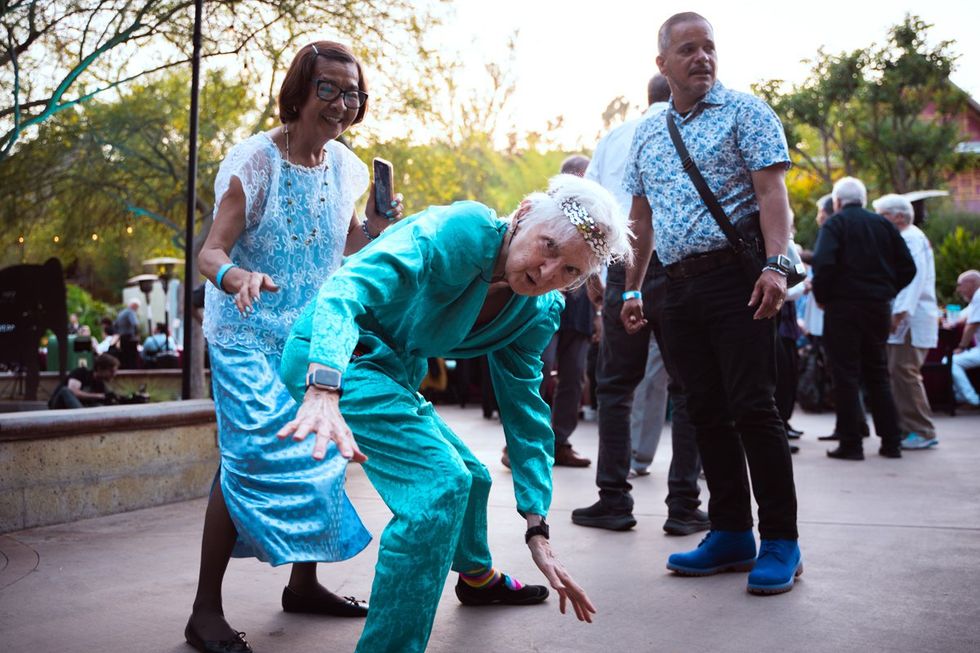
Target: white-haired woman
[{"x": 452, "y": 281}]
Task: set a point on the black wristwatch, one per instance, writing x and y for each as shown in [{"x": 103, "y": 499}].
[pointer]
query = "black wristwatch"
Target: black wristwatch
[
  {"x": 541, "y": 529},
  {"x": 325, "y": 378},
  {"x": 780, "y": 264}
]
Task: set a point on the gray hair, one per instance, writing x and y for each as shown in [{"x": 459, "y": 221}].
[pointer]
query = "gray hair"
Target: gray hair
[
  {"x": 971, "y": 275},
  {"x": 596, "y": 200},
  {"x": 663, "y": 36},
  {"x": 893, "y": 204},
  {"x": 850, "y": 190}
]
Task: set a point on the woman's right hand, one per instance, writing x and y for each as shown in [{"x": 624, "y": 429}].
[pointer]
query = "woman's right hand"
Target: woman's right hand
[
  {"x": 320, "y": 414},
  {"x": 246, "y": 287}
]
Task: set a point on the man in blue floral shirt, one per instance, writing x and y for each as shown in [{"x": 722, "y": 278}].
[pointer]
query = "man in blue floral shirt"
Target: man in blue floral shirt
[{"x": 717, "y": 319}]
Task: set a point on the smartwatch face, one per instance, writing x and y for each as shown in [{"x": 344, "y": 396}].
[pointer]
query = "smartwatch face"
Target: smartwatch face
[{"x": 325, "y": 378}]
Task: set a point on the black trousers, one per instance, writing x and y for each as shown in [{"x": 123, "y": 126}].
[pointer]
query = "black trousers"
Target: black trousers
[
  {"x": 855, "y": 337},
  {"x": 567, "y": 351},
  {"x": 787, "y": 376},
  {"x": 620, "y": 368},
  {"x": 726, "y": 363}
]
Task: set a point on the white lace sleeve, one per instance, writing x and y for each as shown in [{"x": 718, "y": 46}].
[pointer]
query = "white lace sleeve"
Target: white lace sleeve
[
  {"x": 352, "y": 174},
  {"x": 253, "y": 163}
]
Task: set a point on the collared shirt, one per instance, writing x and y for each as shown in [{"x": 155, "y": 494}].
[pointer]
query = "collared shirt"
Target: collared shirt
[
  {"x": 918, "y": 299},
  {"x": 729, "y": 135},
  {"x": 608, "y": 164}
]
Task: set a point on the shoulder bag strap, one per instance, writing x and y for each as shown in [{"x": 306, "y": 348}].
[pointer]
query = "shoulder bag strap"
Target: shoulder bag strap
[{"x": 707, "y": 196}]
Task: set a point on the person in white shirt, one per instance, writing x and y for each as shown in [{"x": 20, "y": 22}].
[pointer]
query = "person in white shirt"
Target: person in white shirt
[
  {"x": 915, "y": 328},
  {"x": 632, "y": 373},
  {"x": 967, "y": 355}
]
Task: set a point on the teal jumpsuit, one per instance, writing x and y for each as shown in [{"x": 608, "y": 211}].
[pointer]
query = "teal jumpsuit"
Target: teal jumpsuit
[{"x": 415, "y": 294}]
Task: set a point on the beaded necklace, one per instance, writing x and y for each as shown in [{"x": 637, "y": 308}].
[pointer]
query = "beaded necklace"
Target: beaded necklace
[{"x": 314, "y": 234}]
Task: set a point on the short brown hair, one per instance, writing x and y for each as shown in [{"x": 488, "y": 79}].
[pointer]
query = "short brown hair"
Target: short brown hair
[
  {"x": 296, "y": 86},
  {"x": 106, "y": 362}
]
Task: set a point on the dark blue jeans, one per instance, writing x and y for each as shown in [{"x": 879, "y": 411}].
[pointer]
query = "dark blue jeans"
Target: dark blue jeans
[
  {"x": 620, "y": 368},
  {"x": 726, "y": 362}
]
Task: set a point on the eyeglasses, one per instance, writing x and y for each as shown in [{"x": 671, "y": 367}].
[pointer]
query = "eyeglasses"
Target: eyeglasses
[{"x": 328, "y": 92}]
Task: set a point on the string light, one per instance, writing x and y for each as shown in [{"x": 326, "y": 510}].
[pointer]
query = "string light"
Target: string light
[
  {"x": 129, "y": 230},
  {"x": 20, "y": 240},
  {"x": 95, "y": 236},
  {"x": 57, "y": 239}
]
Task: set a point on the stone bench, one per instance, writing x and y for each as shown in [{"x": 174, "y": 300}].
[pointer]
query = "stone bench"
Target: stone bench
[{"x": 62, "y": 465}]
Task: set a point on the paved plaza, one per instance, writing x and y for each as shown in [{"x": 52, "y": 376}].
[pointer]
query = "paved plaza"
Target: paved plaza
[{"x": 891, "y": 554}]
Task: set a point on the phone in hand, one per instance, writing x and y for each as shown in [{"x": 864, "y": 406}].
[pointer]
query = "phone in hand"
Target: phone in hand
[{"x": 383, "y": 185}]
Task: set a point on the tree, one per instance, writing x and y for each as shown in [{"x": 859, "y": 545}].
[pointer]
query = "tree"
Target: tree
[
  {"x": 57, "y": 55},
  {"x": 885, "y": 113}
]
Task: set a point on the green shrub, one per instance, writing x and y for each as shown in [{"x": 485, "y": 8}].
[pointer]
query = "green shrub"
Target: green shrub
[
  {"x": 89, "y": 310},
  {"x": 959, "y": 251}
]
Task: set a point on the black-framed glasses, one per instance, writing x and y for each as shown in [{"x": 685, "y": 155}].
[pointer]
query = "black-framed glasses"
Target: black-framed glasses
[{"x": 328, "y": 92}]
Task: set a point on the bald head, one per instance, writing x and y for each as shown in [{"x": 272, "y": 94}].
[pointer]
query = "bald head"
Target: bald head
[
  {"x": 658, "y": 89},
  {"x": 968, "y": 283},
  {"x": 576, "y": 165}
]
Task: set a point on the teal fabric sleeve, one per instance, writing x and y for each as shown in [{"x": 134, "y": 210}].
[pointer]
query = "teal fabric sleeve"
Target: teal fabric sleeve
[
  {"x": 373, "y": 278},
  {"x": 516, "y": 371}
]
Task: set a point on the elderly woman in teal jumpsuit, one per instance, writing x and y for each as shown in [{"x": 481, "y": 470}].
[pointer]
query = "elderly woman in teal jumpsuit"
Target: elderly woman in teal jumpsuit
[{"x": 452, "y": 281}]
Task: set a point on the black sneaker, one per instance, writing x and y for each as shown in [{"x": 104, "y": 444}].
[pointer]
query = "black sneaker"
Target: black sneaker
[
  {"x": 598, "y": 516},
  {"x": 891, "y": 451},
  {"x": 687, "y": 524},
  {"x": 840, "y": 453},
  {"x": 500, "y": 594}
]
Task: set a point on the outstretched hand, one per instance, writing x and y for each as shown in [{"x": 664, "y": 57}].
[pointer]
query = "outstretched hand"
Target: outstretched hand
[
  {"x": 320, "y": 414},
  {"x": 250, "y": 286},
  {"x": 560, "y": 580}
]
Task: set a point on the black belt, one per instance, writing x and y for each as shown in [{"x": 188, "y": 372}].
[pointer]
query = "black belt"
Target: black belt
[{"x": 698, "y": 264}]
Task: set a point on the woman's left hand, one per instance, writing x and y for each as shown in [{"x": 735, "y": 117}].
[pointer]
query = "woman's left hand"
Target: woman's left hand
[
  {"x": 384, "y": 214},
  {"x": 561, "y": 580}
]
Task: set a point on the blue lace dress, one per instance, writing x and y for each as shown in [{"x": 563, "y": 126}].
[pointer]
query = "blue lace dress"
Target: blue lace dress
[{"x": 286, "y": 506}]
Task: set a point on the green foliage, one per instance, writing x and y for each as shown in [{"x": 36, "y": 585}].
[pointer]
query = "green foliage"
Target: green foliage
[
  {"x": 959, "y": 251},
  {"x": 886, "y": 114},
  {"x": 117, "y": 170},
  {"x": 89, "y": 310}
]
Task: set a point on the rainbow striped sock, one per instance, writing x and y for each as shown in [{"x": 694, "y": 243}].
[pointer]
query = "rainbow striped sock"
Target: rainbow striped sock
[{"x": 487, "y": 578}]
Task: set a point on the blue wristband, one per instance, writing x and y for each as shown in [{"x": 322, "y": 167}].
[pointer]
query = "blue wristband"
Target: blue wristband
[
  {"x": 632, "y": 294},
  {"x": 220, "y": 277}
]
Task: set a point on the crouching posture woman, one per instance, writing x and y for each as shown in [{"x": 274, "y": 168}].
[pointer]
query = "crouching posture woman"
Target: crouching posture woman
[{"x": 453, "y": 281}]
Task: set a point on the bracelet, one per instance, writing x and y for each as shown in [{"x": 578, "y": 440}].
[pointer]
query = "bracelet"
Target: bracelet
[
  {"x": 632, "y": 294},
  {"x": 367, "y": 232},
  {"x": 776, "y": 270},
  {"x": 220, "y": 277}
]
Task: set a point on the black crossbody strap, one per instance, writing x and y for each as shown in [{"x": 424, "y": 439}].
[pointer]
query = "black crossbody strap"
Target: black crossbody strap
[{"x": 709, "y": 198}]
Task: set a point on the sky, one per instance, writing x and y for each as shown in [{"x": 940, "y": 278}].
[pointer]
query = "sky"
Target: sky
[{"x": 573, "y": 57}]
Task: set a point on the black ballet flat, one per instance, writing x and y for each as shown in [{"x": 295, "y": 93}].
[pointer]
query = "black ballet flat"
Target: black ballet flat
[
  {"x": 337, "y": 606},
  {"x": 237, "y": 644}
]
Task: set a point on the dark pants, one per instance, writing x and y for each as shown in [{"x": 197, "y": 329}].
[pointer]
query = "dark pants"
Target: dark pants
[
  {"x": 621, "y": 365},
  {"x": 855, "y": 338},
  {"x": 129, "y": 352},
  {"x": 726, "y": 362},
  {"x": 787, "y": 376},
  {"x": 570, "y": 350}
]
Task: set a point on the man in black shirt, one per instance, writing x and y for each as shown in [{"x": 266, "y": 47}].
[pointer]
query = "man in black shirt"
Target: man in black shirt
[
  {"x": 86, "y": 387},
  {"x": 860, "y": 262}
]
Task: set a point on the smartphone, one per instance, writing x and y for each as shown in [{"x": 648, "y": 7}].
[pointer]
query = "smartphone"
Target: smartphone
[{"x": 383, "y": 185}]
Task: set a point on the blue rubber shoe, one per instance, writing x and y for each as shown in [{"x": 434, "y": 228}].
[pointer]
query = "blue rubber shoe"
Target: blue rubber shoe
[
  {"x": 777, "y": 568},
  {"x": 719, "y": 551}
]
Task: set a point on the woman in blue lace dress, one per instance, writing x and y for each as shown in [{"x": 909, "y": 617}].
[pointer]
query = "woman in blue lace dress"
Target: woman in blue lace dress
[{"x": 284, "y": 217}]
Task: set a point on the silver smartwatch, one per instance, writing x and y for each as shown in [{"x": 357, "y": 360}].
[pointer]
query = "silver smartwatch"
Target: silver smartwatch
[{"x": 325, "y": 378}]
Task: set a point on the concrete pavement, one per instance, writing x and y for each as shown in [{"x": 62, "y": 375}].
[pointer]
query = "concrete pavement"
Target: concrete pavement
[{"x": 891, "y": 551}]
